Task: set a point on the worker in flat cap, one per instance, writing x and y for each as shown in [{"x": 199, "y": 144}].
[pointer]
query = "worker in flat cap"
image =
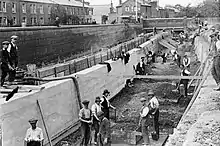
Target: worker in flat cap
[
  {"x": 104, "y": 135},
  {"x": 13, "y": 56},
  {"x": 5, "y": 62},
  {"x": 34, "y": 135},
  {"x": 154, "y": 105},
  {"x": 144, "y": 121},
  {"x": 85, "y": 117},
  {"x": 96, "y": 108},
  {"x": 106, "y": 105}
]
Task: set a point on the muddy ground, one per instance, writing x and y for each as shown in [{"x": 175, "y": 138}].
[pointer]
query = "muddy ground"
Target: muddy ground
[{"x": 128, "y": 103}]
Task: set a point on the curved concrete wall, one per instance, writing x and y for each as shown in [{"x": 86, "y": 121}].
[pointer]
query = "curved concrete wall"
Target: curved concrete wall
[{"x": 59, "y": 100}]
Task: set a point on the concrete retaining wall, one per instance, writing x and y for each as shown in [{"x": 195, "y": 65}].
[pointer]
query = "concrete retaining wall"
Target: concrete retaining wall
[
  {"x": 46, "y": 44},
  {"x": 59, "y": 101}
]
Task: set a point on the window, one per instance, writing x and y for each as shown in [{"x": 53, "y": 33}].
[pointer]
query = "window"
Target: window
[
  {"x": 35, "y": 20},
  {"x": 3, "y": 6},
  {"x": 49, "y": 9},
  {"x": 134, "y": 8},
  {"x": 0, "y": 21},
  {"x": 24, "y": 20},
  {"x": 41, "y": 9},
  {"x": 4, "y": 21},
  {"x": 24, "y": 8},
  {"x": 0, "y": 8},
  {"x": 31, "y": 8},
  {"x": 41, "y": 20},
  {"x": 13, "y": 7},
  {"x": 32, "y": 21},
  {"x": 14, "y": 21},
  {"x": 139, "y": 8},
  {"x": 127, "y": 8},
  {"x": 34, "y": 9},
  {"x": 73, "y": 11}
]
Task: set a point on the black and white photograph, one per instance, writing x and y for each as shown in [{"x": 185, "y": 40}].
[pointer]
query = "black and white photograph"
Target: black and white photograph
[{"x": 110, "y": 73}]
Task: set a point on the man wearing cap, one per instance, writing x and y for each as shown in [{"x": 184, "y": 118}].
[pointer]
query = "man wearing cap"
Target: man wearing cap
[
  {"x": 184, "y": 72},
  {"x": 85, "y": 117},
  {"x": 140, "y": 68},
  {"x": 104, "y": 134},
  {"x": 216, "y": 64},
  {"x": 144, "y": 121},
  {"x": 5, "y": 62},
  {"x": 154, "y": 104},
  {"x": 12, "y": 50},
  {"x": 96, "y": 108},
  {"x": 106, "y": 104},
  {"x": 34, "y": 135},
  {"x": 186, "y": 61}
]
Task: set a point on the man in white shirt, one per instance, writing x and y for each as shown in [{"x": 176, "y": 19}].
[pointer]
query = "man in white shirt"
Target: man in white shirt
[
  {"x": 154, "y": 104},
  {"x": 34, "y": 135},
  {"x": 144, "y": 121},
  {"x": 96, "y": 108},
  {"x": 186, "y": 61}
]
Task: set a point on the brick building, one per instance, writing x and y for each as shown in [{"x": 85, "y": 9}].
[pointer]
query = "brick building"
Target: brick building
[
  {"x": 40, "y": 12},
  {"x": 128, "y": 9}
]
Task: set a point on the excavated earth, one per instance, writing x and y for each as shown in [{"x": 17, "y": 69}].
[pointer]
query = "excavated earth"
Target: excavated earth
[{"x": 128, "y": 103}]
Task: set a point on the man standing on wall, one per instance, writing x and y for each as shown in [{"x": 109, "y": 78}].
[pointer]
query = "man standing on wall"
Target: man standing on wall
[
  {"x": 13, "y": 57},
  {"x": 5, "y": 62},
  {"x": 106, "y": 104},
  {"x": 34, "y": 135},
  {"x": 85, "y": 117},
  {"x": 96, "y": 108},
  {"x": 216, "y": 64}
]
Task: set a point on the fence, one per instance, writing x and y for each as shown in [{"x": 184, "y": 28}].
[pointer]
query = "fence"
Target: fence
[{"x": 82, "y": 63}]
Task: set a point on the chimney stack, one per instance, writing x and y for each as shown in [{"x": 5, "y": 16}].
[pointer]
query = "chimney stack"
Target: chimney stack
[{"x": 120, "y": 2}]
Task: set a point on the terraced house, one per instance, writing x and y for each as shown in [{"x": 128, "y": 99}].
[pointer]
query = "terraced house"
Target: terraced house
[{"x": 44, "y": 12}]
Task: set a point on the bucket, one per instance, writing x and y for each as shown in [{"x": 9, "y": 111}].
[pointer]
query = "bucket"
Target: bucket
[{"x": 154, "y": 136}]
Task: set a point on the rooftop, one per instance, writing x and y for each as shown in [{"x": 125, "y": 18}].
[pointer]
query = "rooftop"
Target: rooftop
[{"x": 60, "y": 2}]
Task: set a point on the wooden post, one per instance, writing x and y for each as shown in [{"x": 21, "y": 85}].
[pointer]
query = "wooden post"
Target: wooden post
[
  {"x": 55, "y": 72},
  {"x": 42, "y": 118}
]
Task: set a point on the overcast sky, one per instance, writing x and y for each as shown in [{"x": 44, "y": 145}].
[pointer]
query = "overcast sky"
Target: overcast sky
[{"x": 161, "y": 2}]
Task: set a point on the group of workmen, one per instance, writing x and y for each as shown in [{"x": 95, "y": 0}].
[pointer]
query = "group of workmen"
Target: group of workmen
[
  {"x": 96, "y": 118},
  {"x": 9, "y": 60}
]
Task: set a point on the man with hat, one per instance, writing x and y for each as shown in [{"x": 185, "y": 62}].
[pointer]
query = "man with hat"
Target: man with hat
[
  {"x": 140, "y": 68},
  {"x": 85, "y": 117},
  {"x": 186, "y": 61},
  {"x": 106, "y": 104},
  {"x": 5, "y": 62},
  {"x": 144, "y": 121},
  {"x": 154, "y": 104},
  {"x": 34, "y": 135},
  {"x": 96, "y": 108},
  {"x": 13, "y": 55},
  {"x": 104, "y": 134}
]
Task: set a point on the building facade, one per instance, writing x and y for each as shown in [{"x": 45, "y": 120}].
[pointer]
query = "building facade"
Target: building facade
[
  {"x": 128, "y": 10},
  {"x": 42, "y": 12}
]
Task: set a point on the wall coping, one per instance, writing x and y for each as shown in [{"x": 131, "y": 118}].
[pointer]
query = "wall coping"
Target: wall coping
[{"x": 37, "y": 28}]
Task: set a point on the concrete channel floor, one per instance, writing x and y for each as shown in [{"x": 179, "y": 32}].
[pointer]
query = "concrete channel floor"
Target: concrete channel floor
[{"x": 201, "y": 127}]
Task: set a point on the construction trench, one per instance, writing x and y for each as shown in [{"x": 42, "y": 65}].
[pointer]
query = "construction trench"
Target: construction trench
[{"x": 172, "y": 105}]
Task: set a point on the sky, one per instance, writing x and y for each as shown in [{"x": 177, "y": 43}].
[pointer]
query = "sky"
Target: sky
[{"x": 162, "y": 3}]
